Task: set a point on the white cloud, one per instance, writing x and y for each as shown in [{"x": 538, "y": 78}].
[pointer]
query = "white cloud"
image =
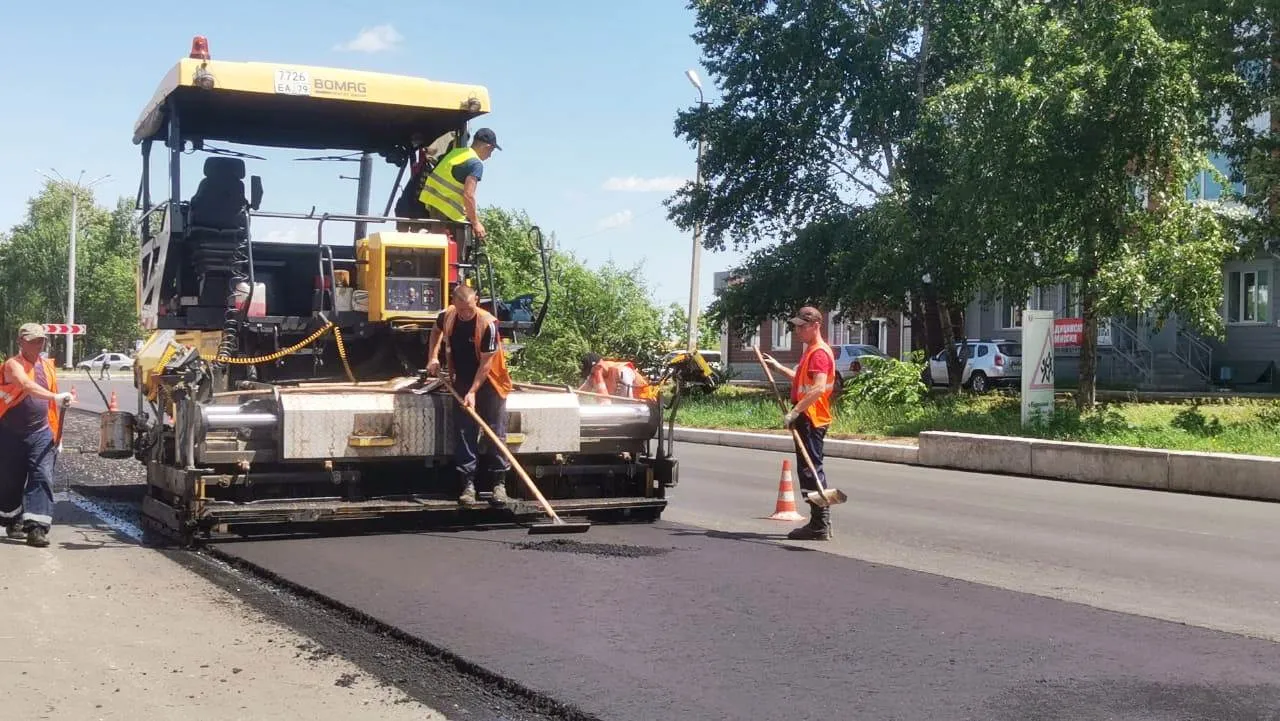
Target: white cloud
[
  {"x": 377, "y": 39},
  {"x": 632, "y": 184},
  {"x": 617, "y": 220}
]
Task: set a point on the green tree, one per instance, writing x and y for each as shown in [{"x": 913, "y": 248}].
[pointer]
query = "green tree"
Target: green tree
[
  {"x": 34, "y": 285},
  {"x": 675, "y": 328},
  {"x": 1073, "y": 148},
  {"x": 815, "y": 145},
  {"x": 608, "y": 311}
]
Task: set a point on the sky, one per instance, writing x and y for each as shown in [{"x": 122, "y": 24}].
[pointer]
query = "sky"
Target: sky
[{"x": 584, "y": 97}]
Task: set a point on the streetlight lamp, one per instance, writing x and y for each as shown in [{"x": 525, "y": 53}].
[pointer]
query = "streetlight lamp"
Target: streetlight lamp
[
  {"x": 695, "y": 267},
  {"x": 76, "y": 189}
]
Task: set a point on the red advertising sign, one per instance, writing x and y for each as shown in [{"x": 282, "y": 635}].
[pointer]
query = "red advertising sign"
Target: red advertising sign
[
  {"x": 65, "y": 329},
  {"x": 1067, "y": 332}
]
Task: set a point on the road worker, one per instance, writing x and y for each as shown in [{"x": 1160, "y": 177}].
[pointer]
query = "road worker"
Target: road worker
[
  {"x": 30, "y": 419},
  {"x": 612, "y": 378},
  {"x": 473, "y": 351},
  {"x": 449, "y": 192},
  {"x": 813, "y": 381}
]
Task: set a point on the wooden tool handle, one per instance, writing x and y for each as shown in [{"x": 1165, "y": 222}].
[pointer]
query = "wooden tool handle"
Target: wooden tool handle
[{"x": 493, "y": 437}]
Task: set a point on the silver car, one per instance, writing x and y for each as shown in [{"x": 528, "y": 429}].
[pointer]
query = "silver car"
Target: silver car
[{"x": 987, "y": 364}]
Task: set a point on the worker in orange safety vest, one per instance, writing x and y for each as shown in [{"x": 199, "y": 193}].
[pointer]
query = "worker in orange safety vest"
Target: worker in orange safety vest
[
  {"x": 473, "y": 350},
  {"x": 30, "y": 417},
  {"x": 614, "y": 378},
  {"x": 813, "y": 382}
]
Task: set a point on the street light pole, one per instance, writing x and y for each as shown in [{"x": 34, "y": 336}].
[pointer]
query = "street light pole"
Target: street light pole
[
  {"x": 695, "y": 267},
  {"x": 76, "y": 189}
]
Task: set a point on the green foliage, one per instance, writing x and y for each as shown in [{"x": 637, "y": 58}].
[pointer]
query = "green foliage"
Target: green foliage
[
  {"x": 675, "y": 328},
  {"x": 33, "y": 287},
  {"x": 1193, "y": 421},
  {"x": 607, "y": 311},
  {"x": 886, "y": 381}
]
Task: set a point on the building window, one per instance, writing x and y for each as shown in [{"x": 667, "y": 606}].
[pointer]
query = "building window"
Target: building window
[
  {"x": 845, "y": 331},
  {"x": 781, "y": 335},
  {"x": 1011, "y": 314},
  {"x": 1249, "y": 296},
  {"x": 751, "y": 341},
  {"x": 1205, "y": 187}
]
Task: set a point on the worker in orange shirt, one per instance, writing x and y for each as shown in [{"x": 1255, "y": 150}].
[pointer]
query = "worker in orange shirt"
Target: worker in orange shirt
[
  {"x": 31, "y": 410},
  {"x": 813, "y": 381}
]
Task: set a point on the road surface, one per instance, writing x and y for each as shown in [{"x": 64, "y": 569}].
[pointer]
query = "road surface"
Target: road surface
[{"x": 946, "y": 595}]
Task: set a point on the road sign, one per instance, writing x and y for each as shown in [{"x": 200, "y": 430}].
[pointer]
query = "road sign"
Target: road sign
[
  {"x": 1037, "y": 375},
  {"x": 65, "y": 329}
]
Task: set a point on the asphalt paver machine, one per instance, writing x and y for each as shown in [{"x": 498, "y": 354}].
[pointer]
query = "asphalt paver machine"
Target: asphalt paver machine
[{"x": 281, "y": 386}]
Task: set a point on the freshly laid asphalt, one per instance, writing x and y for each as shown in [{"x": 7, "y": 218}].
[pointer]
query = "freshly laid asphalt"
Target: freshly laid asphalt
[{"x": 711, "y": 615}]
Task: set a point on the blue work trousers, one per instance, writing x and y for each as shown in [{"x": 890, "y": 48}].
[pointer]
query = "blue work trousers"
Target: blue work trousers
[
  {"x": 26, "y": 478},
  {"x": 466, "y": 447}
]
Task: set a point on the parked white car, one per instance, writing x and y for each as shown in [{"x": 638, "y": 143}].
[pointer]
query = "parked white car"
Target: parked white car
[
  {"x": 113, "y": 361},
  {"x": 987, "y": 364}
]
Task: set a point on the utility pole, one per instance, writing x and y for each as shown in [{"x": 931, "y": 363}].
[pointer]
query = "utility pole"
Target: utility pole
[
  {"x": 76, "y": 189},
  {"x": 695, "y": 268}
]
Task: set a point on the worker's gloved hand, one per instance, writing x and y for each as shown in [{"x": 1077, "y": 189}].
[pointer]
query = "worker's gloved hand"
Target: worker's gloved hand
[
  {"x": 433, "y": 368},
  {"x": 789, "y": 418},
  {"x": 62, "y": 399}
]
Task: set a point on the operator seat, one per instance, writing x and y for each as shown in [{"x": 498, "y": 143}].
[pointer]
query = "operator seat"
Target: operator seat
[
  {"x": 216, "y": 225},
  {"x": 219, "y": 201}
]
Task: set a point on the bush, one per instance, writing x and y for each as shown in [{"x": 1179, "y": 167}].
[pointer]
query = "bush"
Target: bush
[{"x": 887, "y": 381}]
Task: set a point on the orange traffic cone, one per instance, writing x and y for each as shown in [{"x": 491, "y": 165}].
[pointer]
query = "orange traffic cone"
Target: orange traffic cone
[
  {"x": 112, "y": 406},
  {"x": 785, "y": 509}
]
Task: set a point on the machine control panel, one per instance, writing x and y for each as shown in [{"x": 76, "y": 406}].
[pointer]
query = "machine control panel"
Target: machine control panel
[{"x": 404, "y": 274}]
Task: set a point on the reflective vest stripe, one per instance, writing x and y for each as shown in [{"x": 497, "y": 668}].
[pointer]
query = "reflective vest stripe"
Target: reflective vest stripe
[{"x": 442, "y": 198}]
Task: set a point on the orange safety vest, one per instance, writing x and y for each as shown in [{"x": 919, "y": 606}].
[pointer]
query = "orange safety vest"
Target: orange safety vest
[
  {"x": 498, "y": 374},
  {"x": 820, "y": 412},
  {"x": 640, "y": 387},
  {"x": 11, "y": 393}
]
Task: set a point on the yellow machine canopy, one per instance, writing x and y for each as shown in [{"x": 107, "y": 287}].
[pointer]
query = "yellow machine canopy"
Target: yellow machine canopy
[{"x": 301, "y": 106}]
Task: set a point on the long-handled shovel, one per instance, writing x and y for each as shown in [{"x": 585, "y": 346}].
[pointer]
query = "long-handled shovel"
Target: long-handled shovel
[
  {"x": 557, "y": 524},
  {"x": 825, "y": 496}
]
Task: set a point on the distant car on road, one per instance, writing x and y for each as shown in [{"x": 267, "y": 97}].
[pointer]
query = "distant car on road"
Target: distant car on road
[
  {"x": 987, "y": 364},
  {"x": 113, "y": 361}
]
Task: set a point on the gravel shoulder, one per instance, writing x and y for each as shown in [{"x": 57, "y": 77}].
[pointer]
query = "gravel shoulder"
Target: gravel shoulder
[{"x": 98, "y": 627}]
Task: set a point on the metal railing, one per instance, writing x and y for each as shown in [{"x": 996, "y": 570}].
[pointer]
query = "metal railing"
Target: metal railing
[
  {"x": 1128, "y": 345},
  {"x": 1195, "y": 353}
]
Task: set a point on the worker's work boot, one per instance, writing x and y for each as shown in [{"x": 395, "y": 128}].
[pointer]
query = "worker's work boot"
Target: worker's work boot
[
  {"x": 817, "y": 529},
  {"x": 37, "y": 537},
  {"x": 500, "y": 497},
  {"x": 15, "y": 530},
  {"x": 468, "y": 491}
]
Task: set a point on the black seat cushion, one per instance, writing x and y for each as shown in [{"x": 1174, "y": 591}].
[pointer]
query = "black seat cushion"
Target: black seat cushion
[{"x": 219, "y": 201}]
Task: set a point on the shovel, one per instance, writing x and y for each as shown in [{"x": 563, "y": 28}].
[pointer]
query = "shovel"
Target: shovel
[
  {"x": 826, "y": 496},
  {"x": 557, "y": 524}
]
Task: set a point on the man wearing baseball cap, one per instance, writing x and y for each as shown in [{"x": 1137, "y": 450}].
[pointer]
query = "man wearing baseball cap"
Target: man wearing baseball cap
[
  {"x": 30, "y": 418},
  {"x": 449, "y": 192},
  {"x": 813, "y": 382}
]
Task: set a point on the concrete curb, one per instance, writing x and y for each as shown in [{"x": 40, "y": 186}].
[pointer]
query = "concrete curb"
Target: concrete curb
[
  {"x": 1216, "y": 474},
  {"x": 856, "y": 450}
]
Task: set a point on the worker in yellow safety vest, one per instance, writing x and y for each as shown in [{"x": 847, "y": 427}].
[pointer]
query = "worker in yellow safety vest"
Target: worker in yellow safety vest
[
  {"x": 813, "y": 382},
  {"x": 449, "y": 192},
  {"x": 30, "y": 416},
  {"x": 473, "y": 350}
]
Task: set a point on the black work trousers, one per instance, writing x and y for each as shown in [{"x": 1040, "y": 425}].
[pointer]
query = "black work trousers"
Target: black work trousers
[
  {"x": 812, "y": 437},
  {"x": 466, "y": 441}
]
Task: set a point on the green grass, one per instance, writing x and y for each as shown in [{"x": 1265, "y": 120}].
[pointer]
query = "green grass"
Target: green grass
[{"x": 1227, "y": 426}]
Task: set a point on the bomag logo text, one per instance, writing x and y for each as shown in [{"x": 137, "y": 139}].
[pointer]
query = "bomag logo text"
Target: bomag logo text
[{"x": 345, "y": 87}]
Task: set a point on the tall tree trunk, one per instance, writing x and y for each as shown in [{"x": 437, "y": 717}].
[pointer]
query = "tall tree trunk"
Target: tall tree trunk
[
  {"x": 1088, "y": 389},
  {"x": 931, "y": 321},
  {"x": 955, "y": 366}
]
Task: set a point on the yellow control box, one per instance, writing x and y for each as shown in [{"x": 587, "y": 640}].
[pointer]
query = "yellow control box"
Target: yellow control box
[{"x": 404, "y": 274}]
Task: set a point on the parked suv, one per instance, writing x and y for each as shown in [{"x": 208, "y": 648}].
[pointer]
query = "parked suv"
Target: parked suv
[{"x": 988, "y": 364}]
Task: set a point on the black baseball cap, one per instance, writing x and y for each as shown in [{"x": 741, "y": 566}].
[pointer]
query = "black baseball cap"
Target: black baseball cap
[{"x": 485, "y": 135}]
